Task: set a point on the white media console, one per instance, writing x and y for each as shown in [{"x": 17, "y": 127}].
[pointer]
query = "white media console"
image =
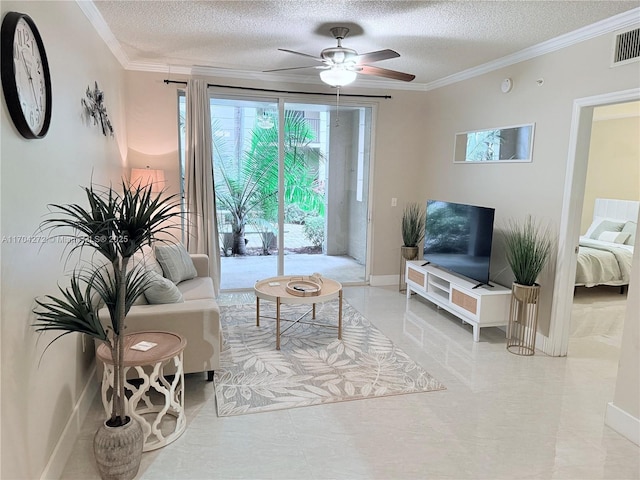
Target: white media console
[{"x": 481, "y": 306}]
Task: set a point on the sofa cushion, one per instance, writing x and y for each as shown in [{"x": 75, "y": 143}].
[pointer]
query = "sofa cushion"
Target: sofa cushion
[
  {"x": 162, "y": 290},
  {"x": 176, "y": 262},
  {"x": 196, "y": 289},
  {"x": 147, "y": 259}
]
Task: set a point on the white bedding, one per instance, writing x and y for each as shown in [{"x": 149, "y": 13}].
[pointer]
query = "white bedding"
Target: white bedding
[{"x": 603, "y": 263}]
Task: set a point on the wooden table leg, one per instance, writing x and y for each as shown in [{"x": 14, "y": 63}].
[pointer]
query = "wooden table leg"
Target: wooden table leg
[
  {"x": 257, "y": 311},
  {"x": 278, "y": 323},
  {"x": 340, "y": 315}
]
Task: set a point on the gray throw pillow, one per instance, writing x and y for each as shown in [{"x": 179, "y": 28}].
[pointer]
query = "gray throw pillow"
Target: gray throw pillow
[
  {"x": 175, "y": 262},
  {"x": 606, "y": 226},
  {"x": 161, "y": 290},
  {"x": 147, "y": 259},
  {"x": 630, "y": 228},
  {"x": 614, "y": 237}
]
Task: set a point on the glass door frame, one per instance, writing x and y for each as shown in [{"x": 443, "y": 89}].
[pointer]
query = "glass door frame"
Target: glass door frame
[{"x": 284, "y": 98}]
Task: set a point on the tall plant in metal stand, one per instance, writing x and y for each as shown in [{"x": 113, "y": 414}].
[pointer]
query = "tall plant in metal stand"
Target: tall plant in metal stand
[
  {"x": 116, "y": 226},
  {"x": 528, "y": 248},
  {"x": 413, "y": 224}
]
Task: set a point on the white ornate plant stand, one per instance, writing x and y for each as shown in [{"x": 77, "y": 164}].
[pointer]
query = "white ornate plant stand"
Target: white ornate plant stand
[{"x": 154, "y": 396}]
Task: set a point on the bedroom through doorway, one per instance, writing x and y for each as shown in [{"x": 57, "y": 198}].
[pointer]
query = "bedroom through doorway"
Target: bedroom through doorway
[{"x": 613, "y": 170}]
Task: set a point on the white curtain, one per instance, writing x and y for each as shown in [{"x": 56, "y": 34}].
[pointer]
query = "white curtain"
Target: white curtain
[{"x": 202, "y": 230}]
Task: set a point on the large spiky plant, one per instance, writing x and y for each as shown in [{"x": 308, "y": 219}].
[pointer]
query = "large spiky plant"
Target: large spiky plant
[
  {"x": 116, "y": 226},
  {"x": 413, "y": 223},
  {"x": 528, "y": 248},
  {"x": 247, "y": 187}
]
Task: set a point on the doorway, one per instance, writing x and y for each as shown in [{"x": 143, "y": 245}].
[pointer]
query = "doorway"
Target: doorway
[
  {"x": 612, "y": 173},
  {"x": 574, "y": 191}
]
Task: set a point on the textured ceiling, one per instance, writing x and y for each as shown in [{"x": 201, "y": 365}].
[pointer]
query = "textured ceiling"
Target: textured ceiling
[{"x": 434, "y": 38}]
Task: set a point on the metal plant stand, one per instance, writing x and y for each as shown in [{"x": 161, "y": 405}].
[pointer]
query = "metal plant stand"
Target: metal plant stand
[{"x": 523, "y": 319}]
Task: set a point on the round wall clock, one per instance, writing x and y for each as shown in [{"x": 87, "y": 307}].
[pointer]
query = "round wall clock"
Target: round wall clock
[{"x": 26, "y": 80}]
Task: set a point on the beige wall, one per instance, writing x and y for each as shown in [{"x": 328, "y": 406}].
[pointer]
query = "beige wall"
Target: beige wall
[
  {"x": 152, "y": 125},
  {"x": 39, "y": 391},
  {"x": 614, "y": 157}
]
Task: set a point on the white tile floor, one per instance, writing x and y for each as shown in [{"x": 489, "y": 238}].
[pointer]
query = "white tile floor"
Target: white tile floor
[{"x": 501, "y": 417}]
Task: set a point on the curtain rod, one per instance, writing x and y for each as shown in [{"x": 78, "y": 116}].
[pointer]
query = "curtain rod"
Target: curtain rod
[{"x": 281, "y": 91}]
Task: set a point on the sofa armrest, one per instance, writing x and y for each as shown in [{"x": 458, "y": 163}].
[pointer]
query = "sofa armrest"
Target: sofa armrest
[
  {"x": 198, "y": 321},
  {"x": 201, "y": 262}
]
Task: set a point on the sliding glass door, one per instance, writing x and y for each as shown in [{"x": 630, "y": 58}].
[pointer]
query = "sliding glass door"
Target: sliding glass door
[{"x": 291, "y": 186}]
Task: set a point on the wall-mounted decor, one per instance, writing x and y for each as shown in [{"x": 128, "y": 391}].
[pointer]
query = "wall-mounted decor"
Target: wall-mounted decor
[
  {"x": 496, "y": 145},
  {"x": 26, "y": 81},
  {"x": 94, "y": 107}
]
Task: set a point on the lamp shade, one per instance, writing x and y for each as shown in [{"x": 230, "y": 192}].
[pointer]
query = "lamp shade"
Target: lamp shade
[
  {"x": 143, "y": 177},
  {"x": 337, "y": 77}
]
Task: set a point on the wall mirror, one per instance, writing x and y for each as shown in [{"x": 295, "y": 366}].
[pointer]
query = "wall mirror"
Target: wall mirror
[{"x": 497, "y": 145}]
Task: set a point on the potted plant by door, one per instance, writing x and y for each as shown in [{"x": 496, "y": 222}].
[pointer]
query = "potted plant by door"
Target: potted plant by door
[
  {"x": 116, "y": 226},
  {"x": 413, "y": 223},
  {"x": 413, "y": 220},
  {"x": 528, "y": 248}
]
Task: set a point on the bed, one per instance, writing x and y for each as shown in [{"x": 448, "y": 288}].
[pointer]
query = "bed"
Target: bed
[{"x": 605, "y": 251}]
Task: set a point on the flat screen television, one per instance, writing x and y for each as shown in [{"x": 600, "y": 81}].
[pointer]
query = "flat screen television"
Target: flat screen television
[{"x": 458, "y": 238}]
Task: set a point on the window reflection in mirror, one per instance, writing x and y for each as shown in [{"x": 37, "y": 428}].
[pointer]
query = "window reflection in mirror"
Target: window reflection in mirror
[{"x": 506, "y": 144}]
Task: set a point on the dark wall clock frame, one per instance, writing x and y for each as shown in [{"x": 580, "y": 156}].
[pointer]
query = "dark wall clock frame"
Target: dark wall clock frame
[{"x": 26, "y": 80}]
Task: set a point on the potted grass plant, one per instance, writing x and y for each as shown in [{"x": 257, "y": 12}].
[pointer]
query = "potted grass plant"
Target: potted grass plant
[
  {"x": 413, "y": 222},
  {"x": 528, "y": 248},
  {"x": 116, "y": 226}
]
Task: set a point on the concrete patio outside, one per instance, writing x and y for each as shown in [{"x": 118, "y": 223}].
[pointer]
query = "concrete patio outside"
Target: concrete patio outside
[{"x": 242, "y": 272}]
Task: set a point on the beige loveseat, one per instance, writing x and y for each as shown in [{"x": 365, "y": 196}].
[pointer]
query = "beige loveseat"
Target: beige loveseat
[{"x": 197, "y": 319}]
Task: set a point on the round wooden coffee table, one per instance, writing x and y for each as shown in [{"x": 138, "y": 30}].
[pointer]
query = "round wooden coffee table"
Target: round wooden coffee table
[{"x": 274, "y": 289}]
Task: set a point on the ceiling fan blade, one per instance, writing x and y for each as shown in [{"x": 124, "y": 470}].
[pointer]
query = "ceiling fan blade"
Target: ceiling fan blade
[
  {"x": 376, "y": 56},
  {"x": 291, "y": 68},
  {"x": 303, "y": 54},
  {"x": 384, "y": 72}
]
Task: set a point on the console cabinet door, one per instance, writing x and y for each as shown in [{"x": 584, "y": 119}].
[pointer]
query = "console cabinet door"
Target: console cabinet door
[
  {"x": 465, "y": 301},
  {"x": 417, "y": 276}
]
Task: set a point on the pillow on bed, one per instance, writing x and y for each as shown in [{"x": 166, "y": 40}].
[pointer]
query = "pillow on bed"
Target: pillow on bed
[
  {"x": 630, "y": 228},
  {"x": 614, "y": 237},
  {"x": 599, "y": 226}
]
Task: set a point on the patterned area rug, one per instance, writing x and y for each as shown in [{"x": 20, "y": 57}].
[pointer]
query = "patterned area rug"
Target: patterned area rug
[{"x": 313, "y": 366}]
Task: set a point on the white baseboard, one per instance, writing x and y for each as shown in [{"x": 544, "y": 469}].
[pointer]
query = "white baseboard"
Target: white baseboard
[
  {"x": 542, "y": 343},
  {"x": 64, "y": 447},
  {"x": 383, "y": 280},
  {"x": 623, "y": 423}
]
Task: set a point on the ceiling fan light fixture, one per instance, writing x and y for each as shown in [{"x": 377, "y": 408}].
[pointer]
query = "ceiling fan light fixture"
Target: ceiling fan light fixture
[{"x": 338, "y": 77}]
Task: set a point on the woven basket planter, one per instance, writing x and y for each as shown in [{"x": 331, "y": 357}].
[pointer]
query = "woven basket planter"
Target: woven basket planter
[{"x": 118, "y": 450}]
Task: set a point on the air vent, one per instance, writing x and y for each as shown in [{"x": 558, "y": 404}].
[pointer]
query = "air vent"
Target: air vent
[{"x": 627, "y": 47}]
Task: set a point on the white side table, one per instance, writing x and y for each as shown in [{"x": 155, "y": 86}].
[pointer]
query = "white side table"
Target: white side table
[{"x": 156, "y": 396}]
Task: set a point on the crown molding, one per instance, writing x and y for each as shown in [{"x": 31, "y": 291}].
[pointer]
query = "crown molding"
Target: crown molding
[
  {"x": 98, "y": 22},
  {"x": 608, "y": 25},
  {"x": 618, "y": 22}
]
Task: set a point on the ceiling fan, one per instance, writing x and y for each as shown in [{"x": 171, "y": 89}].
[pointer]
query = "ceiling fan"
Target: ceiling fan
[{"x": 342, "y": 65}]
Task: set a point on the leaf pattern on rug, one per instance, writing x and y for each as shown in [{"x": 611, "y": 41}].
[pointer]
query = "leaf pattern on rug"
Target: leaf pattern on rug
[{"x": 313, "y": 366}]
